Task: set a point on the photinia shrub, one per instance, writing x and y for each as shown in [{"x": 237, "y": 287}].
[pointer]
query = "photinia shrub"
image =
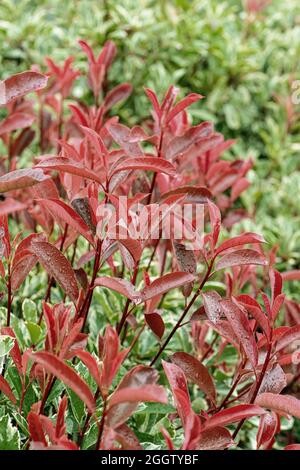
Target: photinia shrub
[{"x": 101, "y": 210}]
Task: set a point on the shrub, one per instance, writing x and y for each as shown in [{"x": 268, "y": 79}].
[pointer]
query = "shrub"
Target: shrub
[{"x": 80, "y": 366}]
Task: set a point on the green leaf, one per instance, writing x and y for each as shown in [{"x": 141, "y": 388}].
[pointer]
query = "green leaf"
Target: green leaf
[
  {"x": 29, "y": 310},
  {"x": 6, "y": 344},
  {"x": 34, "y": 331},
  {"x": 9, "y": 435}
]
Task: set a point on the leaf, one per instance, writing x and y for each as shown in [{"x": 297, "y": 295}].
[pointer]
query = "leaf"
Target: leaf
[
  {"x": 57, "y": 266},
  {"x": 67, "y": 165},
  {"x": 66, "y": 374},
  {"x": 217, "y": 438},
  {"x": 212, "y": 306},
  {"x": 9, "y": 434},
  {"x": 241, "y": 327},
  {"x": 186, "y": 261},
  {"x": 20, "y": 179},
  {"x": 139, "y": 376},
  {"x": 243, "y": 239},
  {"x": 181, "y": 143},
  {"x": 90, "y": 362},
  {"x": 6, "y": 389},
  {"x": 60, "y": 210},
  {"x": 118, "y": 93},
  {"x": 15, "y": 121},
  {"x": 291, "y": 275},
  {"x": 193, "y": 194},
  {"x": 268, "y": 426},
  {"x": 196, "y": 372},
  {"x": 155, "y": 323},
  {"x": 232, "y": 415},
  {"x": 184, "y": 103},
  {"x": 10, "y": 205},
  {"x": 20, "y": 84},
  {"x": 291, "y": 335},
  {"x": 241, "y": 258},
  {"x": 122, "y": 286},
  {"x": 146, "y": 163},
  {"x": 151, "y": 393},
  {"x": 165, "y": 283},
  {"x": 283, "y": 404},
  {"x": 177, "y": 381},
  {"x": 292, "y": 447}
]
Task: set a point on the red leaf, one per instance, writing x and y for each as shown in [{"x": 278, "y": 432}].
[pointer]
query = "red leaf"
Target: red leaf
[
  {"x": 268, "y": 425},
  {"x": 283, "y": 404},
  {"x": 155, "y": 323},
  {"x": 217, "y": 438},
  {"x": 186, "y": 262},
  {"x": 212, "y": 306},
  {"x": 10, "y": 205},
  {"x": 119, "y": 285},
  {"x": 119, "y": 93},
  {"x": 292, "y": 447},
  {"x": 35, "y": 428},
  {"x": 276, "y": 283},
  {"x": 182, "y": 143},
  {"x": 241, "y": 258},
  {"x": 57, "y": 266},
  {"x": 291, "y": 275},
  {"x": 6, "y": 389},
  {"x": 152, "y": 393},
  {"x": 165, "y": 283},
  {"x": 193, "y": 194},
  {"x": 60, "y": 210},
  {"x": 68, "y": 166},
  {"x": 243, "y": 239},
  {"x": 254, "y": 308},
  {"x": 241, "y": 327},
  {"x": 153, "y": 98},
  {"x": 20, "y": 84},
  {"x": 146, "y": 163},
  {"x": 196, "y": 372},
  {"x": 66, "y": 374},
  {"x": 91, "y": 363},
  {"x": 232, "y": 415},
  {"x": 15, "y": 352},
  {"x": 291, "y": 335},
  {"x": 19, "y": 179},
  {"x": 177, "y": 381},
  {"x": 16, "y": 121},
  {"x": 139, "y": 376},
  {"x": 184, "y": 103}
]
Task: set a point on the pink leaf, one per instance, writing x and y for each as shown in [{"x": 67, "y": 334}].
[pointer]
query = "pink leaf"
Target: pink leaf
[
  {"x": 119, "y": 93},
  {"x": 20, "y": 84},
  {"x": 146, "y": 163},
  {"x": 152, "y": 393},
  {"x": 16, "y": 121},
  {"x": 119, "y": 285},
  {"x": 68, "y": 166},
  {"x": 212, "y": 306},
  {"x": 283, "y": 404},
  {"x": 19, "y": 179},
  {"x": 287, "y": 339}
]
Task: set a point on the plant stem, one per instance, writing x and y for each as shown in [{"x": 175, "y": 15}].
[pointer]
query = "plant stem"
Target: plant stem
[
  {"x": 258, "y": 384},
  {"x": 102, "y": 423},
  {"x": 185, "y": 311},
  {"x": 9, "y": 297}
]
